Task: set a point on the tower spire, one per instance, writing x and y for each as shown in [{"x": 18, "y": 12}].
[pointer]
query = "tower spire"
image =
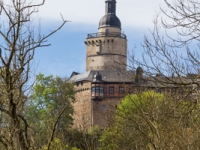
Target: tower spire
[
  {"x": 110, "y": 19},
  {"x": 110, "y": 7}
]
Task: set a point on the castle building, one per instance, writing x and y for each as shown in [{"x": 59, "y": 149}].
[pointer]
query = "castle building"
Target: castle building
[
  {"x": 100, "y": 89},
  {"x": 106, "y": 81}
]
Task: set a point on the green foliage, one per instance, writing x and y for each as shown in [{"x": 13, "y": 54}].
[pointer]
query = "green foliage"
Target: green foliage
[
  {"x": 84, "y": 140},
  {"x": 151, "y": 120},
  {"x": 139, "y": 102},
  {"x": 129, "y": 116},
  {"x": 50, "y": 95},
  {"x": 58, "y": 145}
]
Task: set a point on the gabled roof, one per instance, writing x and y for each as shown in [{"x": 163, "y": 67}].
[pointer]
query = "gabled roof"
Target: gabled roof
[{"x": 74, "y": 73}]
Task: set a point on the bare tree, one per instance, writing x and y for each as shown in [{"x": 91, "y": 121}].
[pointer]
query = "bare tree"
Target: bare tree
[
  {"x": 19, "y": 40},
  {"x": 172, "y": 58}
]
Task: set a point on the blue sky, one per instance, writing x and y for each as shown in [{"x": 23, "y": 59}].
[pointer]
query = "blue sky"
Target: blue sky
[{"x": 67, "y": 51}]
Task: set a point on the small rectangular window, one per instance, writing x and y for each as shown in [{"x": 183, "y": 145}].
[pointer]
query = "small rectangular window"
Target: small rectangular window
[
  {"x": 107, "y": 31},
  {"x": 103, "y": 107},
  {"x": 111, "y": 89},
  {"x": 121, "y": 90},
  {"x": 97, "y": 89},
  {"x": 93, "y": 89}
]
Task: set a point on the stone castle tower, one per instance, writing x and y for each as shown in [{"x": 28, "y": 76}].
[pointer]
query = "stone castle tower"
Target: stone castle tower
[
  {"x": 108, "y": 47},
  {"x": 100, "y": 89}
]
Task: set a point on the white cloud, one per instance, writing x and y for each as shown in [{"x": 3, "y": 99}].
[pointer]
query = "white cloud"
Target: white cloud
[
  {"x": 131, "y": 13},
  {"x": 135, "y": 15}
]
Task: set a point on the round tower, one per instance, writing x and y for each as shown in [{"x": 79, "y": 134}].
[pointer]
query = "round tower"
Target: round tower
[{"x": 107, "y": 49}]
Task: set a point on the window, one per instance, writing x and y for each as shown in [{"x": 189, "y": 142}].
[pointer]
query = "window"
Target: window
[
  {"x": 103, "y": 107},
  {"x": 107, "y": 31},
  {"x": 121, "y": 90},
  {"x": 97, "y": 91},
  {"x": 93, "y": 89},
  {"x": 111, "y": 89},
  {"x": 77, "y": 84}
]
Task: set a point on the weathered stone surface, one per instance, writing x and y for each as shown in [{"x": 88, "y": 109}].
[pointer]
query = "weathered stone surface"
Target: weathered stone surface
[
  {"x": 90, "y": 110},
  {"x": 103, "y": 111},
  {"x": 82, "y": 106},
  {"x": 106, "y": 53}
]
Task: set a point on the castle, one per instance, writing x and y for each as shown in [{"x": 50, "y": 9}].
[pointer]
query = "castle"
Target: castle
[
  {"x": 100, "y": 89},
  {"x": 106, "y": 81}
]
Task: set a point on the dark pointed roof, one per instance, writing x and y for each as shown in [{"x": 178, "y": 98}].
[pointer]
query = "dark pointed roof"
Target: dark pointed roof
[
  {"x": 139, "y": 70},
  {"x": 110, "y": 19}
]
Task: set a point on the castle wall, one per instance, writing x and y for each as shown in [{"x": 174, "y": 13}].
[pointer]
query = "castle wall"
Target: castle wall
[
  {"x": 82, "y": 107},
  {"x": 89, "y": 111},
  {"x": 104, "y": 110}
]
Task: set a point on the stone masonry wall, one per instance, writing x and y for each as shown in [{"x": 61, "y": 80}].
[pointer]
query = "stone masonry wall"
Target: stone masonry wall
[
  {"x": 82, "y": 106},
  {"x": 103, "y": 111},
  {"x": 89, "y": 111},
  {"x": 105, "y": 52}
]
